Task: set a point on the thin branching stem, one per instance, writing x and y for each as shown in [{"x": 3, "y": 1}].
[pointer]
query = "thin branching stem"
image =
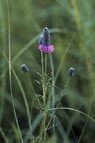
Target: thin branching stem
[
  {"x": 57, "y": 104},
  {"x": 72, "y": 109}
]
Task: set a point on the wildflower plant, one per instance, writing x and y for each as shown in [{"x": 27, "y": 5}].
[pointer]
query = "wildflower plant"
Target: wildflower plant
[
  {"x": 44, "y": 42},
  {"x": 47, "y": 103},
  {"x": 46, "y": 49},
  {"x": 41, "y": 106}
]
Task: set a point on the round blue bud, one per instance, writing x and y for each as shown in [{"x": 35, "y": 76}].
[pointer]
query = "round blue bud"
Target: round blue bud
[
  {"x": 71, "y": 71},
  {"x": 24, "y": 68},
  {"x": 41, "y": 39}
]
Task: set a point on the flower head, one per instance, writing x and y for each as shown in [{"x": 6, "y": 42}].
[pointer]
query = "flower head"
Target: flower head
[
  {"x": 24, "y": 68},
  {"x": 44, "y": 42},
  {"x": 46, "y": 36},
  {"x": 44, "y": 48},
  {"x": 71, "y": 71}
]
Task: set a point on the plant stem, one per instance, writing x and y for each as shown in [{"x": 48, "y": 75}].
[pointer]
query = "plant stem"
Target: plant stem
[
  {"x": 57, "y": 104},
  {"x": 52, "y": 87},
  {"x": 67, "y": 82},
  {"x": 3, "y": 135},
  {"x": 44, "y": 85},
  {"x": 10, "y": 70},
  {"x": 74, "y": 110},
  {"x": 24, "y": 97}
]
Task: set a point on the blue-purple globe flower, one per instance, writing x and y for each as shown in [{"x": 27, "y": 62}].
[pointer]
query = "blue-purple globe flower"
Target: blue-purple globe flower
[
  {"x": 71, "y": 71},
  {"x": 44, "y": 42}
]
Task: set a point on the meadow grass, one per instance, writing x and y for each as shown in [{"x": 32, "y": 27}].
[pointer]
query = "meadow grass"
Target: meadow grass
[{"x": 29, "y": 113}]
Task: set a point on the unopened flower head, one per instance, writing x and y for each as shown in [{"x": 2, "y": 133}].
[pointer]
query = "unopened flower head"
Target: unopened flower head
[
  {"x": 46, "y": 36},
  {"x": 71, "y": 71},
  {"x": 24, "y": 68},
  {"x": 44, "y": 41},
  {"x": 41, "y": 39}
]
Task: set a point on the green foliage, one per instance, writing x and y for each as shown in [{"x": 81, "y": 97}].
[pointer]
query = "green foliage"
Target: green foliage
[{"x": 71, "y": 24}]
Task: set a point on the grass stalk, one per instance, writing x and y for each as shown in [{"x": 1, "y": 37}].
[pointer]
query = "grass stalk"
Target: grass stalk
[
  {"x": 10, "y": 70},
  {"x": 4, "y": 136},
  {"x": 91, "y": 100},
  {"x": 3, "y": 84},
  {"x": 24, "y": 97}
]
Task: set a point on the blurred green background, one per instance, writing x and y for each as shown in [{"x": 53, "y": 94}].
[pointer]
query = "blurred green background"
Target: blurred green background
[{"x": 72, "y": 27}]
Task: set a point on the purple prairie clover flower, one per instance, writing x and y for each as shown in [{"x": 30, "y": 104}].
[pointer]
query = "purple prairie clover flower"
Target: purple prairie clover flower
[
  {"x": 44, "y": 42},
  {"x": 24, "y": 68},
  {"x": 46, "y": 49},
  {"x": 71, "y": 71}
]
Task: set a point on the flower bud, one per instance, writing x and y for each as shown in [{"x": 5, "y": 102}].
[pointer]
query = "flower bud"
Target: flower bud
[
  {"x": 24, "y": 68},
  {"x": 46, "y": 36},
  {"x": 41, "y": 39},
  {"x": 71, "y": 71}
]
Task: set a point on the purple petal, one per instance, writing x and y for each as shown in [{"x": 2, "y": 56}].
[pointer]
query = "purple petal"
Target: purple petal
[{"x": 47, "y": 49}]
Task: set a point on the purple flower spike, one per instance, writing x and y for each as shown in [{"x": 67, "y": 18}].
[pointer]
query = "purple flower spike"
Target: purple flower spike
[
  {"x": 46, "y": 36},
  {"x": 44, "y": 42},
  {"x": 46, "y": 49}
]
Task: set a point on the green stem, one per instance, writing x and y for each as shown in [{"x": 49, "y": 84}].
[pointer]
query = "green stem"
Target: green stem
[
  {"x": 24, "y": 98},
  {"x": 10, "y": 69},
  {"x": 52, "y": 86},
  {"x": 58, "y": 103},
  {"x": 46, "y": 65},
  {"x": 91, "y": 100},
  {"x": 31, "y": 84},
  {"x": 43, "y": 76},
  {"x": 44, "y": 85},
  {"x": 4, "y": 65},
  {"x": 63, "y": 57},
  {"x": 67, "y": 82},
  {"x": 72, "y": 109},
  {"x": 4, "y": 136}
]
